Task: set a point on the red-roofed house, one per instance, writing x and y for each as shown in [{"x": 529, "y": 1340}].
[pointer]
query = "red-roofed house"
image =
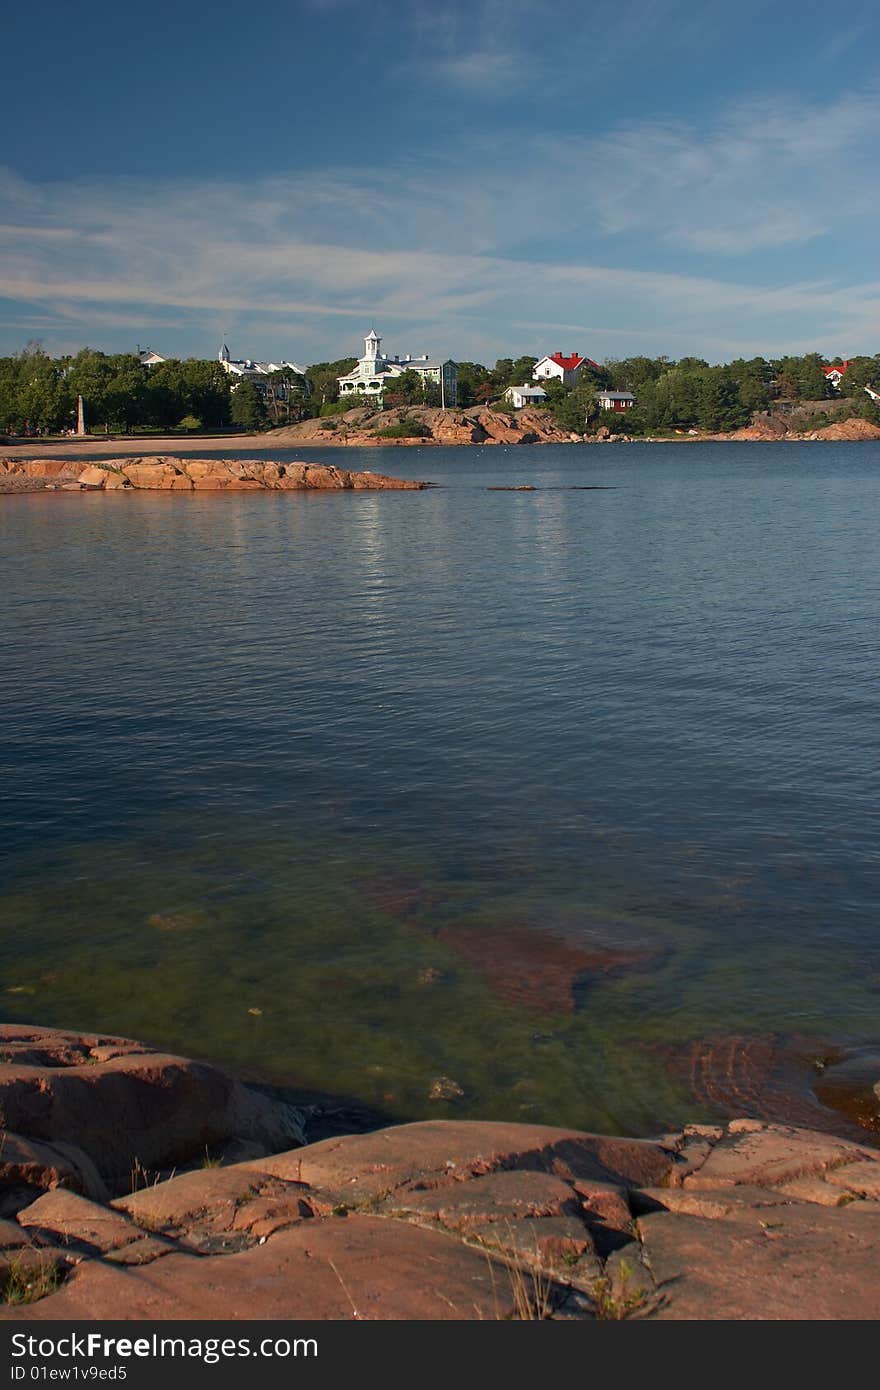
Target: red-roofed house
[
  {"x": 563, "y": 368},
  {"x": 834, "y": 374}
]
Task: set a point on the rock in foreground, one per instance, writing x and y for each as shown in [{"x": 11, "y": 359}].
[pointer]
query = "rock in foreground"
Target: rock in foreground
[
  {"x": 435, "y": 1220},
  {"x": 85, "y": 1111},
  {"x": 169, "y": 474}
]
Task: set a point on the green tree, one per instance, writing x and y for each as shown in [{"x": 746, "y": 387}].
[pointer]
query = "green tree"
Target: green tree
[
  {"x": 247, "y": 408},
  {"x": 406, "y": 389},
  {"x": 802, "y": 378},
  {"x": 512, "y": 371},
  {"x": 473, "y": 378},
  {"x": 43, "y": 401},
  {"x": 208, "y": 392},
  {"x": 285, "y": 396},
  {"x": 322, "y": 378},
  {"x": 572, "y": 410},
  {"x": 633, "y": 373},
  {"x": 126, "y": 396},
  {"x": 90, "y": 375}
]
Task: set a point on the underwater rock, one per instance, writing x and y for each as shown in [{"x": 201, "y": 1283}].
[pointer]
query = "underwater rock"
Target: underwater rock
[
  {"x": 444, "y": 1088},
  {"x": 850, "y": 1085},
  {"x": 542, "y": 968},
  {"x": 774, "y": 1078}
]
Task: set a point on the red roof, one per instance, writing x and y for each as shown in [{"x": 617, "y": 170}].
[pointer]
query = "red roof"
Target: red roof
[
  {"x": 842, "y": 368},
  {"x": 570, "y": 363}
]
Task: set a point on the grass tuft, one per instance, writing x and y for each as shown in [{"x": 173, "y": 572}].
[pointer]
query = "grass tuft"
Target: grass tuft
[{"x": 29, "y": 1280}]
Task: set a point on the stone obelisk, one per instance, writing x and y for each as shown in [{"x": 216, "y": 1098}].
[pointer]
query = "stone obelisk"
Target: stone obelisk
[{"x": 80, "y": 416}]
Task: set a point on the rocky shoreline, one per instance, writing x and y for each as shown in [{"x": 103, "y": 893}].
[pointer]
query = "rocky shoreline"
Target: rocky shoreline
[
  {"x": 486, "y": 426},
  {"x": 135, "y": 1185},
  {"x": 166, "y": 473},
  {"x": 360, "y": 428}
]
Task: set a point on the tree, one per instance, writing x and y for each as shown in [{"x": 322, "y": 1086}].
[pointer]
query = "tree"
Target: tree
[
  {"x": 126, "y": 392},
  {"x": 285, "y": 395},
  {"x": 802, "y": 378},
  {"x": 207, "y": 392},
  {"x": 247, "y": 408},
  {"x": 634, "y": 373},
  {"x": 473, "y": 381},
  {"x": 90, "y": 374},
  {"x": 43, "y": 401},
  {"x": 406, "y": 389},
  {"x": 572, "y": 409},
  {"x": 510, "y": 371},
  {"x": 167, "y": 395},
  {"x": 323, "y": 381}
]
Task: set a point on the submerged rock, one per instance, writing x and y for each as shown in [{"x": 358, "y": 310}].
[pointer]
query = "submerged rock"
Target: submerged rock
[
  {"x": 773, "y": 1078},
  {"x": 545, "y": 966}
]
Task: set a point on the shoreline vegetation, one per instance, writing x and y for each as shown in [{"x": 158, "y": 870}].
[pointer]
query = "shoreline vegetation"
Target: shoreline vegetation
[
  {"x": 137, "y": 1183},
  {"x": 113, "y": 394}
]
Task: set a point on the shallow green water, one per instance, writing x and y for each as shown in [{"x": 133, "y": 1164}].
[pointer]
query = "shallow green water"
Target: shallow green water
[{"x": 293, "y": 783}]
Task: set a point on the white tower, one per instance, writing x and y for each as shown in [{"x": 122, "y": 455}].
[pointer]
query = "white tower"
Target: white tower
[{"x": 371, "y": 346}]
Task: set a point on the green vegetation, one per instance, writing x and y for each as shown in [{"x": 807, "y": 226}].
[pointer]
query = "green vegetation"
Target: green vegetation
[
  {"x": 30, "y": 1276},
  {"x": 406, "y": 428},
  {"x": 411, "y": 389},
  {"x": 323, "y": 378},
  {"x": 247, "y": 407},
  {"x": 38, "y": 393}
]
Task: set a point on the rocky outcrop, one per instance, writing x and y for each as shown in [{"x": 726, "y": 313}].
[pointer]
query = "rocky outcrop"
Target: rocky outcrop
[
  {"x": 466, "y": 1220},
  {"x": 847, "y": 429},
  {"x": 769, "y": 427},
  {"x": 86, "y": 1105},
  {"x": 435, "y": 1220},
  {"x": 171, "y": 474},
  {"x": 478, "y": 424}
]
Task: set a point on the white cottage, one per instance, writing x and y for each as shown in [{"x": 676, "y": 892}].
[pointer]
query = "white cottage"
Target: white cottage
[
  {"x": 561, "y": 367},
  {"x": 525, "y": 395}
]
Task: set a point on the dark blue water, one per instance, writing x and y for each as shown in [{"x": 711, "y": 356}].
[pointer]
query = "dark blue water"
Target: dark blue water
[{"x": 524, "y": 792}]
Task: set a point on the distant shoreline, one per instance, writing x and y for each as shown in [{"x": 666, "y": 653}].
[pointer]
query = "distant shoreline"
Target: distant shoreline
[{"x": 525, "y": 428}]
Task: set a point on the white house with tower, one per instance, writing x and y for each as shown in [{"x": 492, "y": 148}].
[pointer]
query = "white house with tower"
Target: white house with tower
[{"x": 376, "y": 371}]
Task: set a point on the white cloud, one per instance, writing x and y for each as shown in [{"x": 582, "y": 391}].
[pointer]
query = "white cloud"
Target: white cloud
[
  {"x": 441, "y": 253},
  {"x": 769, "y": 173}
]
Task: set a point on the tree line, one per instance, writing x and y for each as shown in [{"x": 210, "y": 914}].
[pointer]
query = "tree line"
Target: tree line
[{"x": 38, "y": 393}]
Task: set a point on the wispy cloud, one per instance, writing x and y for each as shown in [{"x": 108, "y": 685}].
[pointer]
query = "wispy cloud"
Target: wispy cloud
[
  {"x": 466, "y": 258},
  {"x": 768, "y": 173}
]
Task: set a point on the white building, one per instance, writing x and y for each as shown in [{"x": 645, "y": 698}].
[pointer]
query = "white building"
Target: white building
[
  {"x": 562, "y": 368},
  {"x": 247, "y": 370},
  {"x": 149, "y": 358},
  {"x": 525, "y": 395},
  {"x": 376, "y": 371}
]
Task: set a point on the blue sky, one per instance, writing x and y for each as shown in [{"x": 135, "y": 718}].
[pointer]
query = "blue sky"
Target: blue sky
[{"x": 475, "y": 179}]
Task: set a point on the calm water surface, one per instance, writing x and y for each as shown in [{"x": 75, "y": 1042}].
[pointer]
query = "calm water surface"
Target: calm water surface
[{"x": 405, "y": 795}]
